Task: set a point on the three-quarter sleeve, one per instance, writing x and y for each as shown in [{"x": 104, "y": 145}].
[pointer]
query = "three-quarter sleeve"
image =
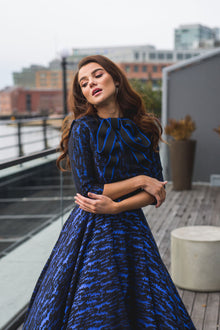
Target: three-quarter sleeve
[
  {"x": 82, "y": 160},
  {"x": 156, "y": 167}
]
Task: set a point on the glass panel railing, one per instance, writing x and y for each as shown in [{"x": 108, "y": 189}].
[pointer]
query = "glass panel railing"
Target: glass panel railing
[{"x": 35, "y": 200}]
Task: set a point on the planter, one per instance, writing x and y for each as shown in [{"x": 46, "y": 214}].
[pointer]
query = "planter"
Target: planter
[{"x": 182, "y": 154}]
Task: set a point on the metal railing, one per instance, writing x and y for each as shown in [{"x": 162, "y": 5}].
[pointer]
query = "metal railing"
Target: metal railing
[{"x": 44, "y": 123}]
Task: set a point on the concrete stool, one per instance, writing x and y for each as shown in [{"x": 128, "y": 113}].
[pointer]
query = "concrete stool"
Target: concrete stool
[{"x": 195, "y": 258}]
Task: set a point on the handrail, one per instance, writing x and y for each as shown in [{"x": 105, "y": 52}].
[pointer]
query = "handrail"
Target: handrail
[
  {"x": 44, "y": 124},
  {"x": 27, "y": 120},
  {"x": 23, "y": 159}
]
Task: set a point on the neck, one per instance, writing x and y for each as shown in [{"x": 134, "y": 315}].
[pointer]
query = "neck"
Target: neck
[{"x": 111, "y": 110}]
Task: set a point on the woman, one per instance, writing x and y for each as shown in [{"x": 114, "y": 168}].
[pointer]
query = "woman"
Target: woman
[{"x": 105, "y": 271}]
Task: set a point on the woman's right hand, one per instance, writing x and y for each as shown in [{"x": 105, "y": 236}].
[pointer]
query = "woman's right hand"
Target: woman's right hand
[{"x": 155, "y": 188}]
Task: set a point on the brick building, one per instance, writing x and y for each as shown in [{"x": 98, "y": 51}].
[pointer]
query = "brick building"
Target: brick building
[
  {"x": 17, "y": 100},
  {"x": 144, "y": 71}
]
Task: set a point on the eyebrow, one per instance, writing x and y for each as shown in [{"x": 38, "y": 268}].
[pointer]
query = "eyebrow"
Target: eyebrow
[{"x": 94, "y": 71}]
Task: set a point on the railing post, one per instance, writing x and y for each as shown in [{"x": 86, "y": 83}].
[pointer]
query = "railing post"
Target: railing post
[
  {"x": 20, "y": 148},
  {"x": 45, "y": 133}
]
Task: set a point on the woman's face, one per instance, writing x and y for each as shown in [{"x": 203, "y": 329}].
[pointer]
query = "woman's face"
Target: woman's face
[{"x": 96, "y": 84}]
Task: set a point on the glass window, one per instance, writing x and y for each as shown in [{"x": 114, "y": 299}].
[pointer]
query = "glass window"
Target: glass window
[
  {"x": 188, "y": 55},
  {"x": 155, "y": 83},
  {"x": 161, "y": 56},
  {"x": 179, "y": 56},
  {"x": 144, "y": 68},
  {"x": 127, "y": 68},
  {"x": 136, "y": 55},
  {"x": 169, "y": 56},
  {"x": 154, "y": 68},
  {"x": 136, "y": 69},
  {"x": 152, "y": 56}
]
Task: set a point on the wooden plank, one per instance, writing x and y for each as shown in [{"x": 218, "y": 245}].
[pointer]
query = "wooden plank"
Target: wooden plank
[
  {"x": 188, "y": 298},
  {"x": 215, "y": 221},
  {"x": 212, "y": 311},
  {"x": 199, "y": 309}
]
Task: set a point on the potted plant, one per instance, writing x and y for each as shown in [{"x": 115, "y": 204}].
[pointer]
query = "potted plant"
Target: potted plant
[{"x": 182, "y": 151}]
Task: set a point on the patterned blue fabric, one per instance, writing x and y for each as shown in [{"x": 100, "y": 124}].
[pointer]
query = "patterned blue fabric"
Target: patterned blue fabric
[{"x": 105, "y": 271}]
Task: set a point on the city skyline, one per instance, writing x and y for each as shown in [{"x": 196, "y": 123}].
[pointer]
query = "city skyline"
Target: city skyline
[{"x": 36, "y": 32}]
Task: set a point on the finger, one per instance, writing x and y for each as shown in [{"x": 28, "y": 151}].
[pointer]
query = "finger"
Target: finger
[
  {"x": 93, "y": 195},
  {"x": 158, "y": 199},
  {"x": 86, "y": 209},
  {"x": 82, "y": 203},
  {"x": 83, "y": 199}
]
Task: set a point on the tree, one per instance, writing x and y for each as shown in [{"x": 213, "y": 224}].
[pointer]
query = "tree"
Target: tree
[{"x": 151, "y": 97}]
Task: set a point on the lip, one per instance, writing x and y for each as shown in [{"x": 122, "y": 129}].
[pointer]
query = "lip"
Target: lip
[{"x": 96, "y": 91}]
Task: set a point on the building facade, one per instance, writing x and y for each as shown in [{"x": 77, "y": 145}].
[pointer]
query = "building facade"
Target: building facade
[
  {"x": 195, "y": 36},
  {"x": 27, "y": 77},
  {"x": 19, "y": 101},
  {"x": 139, "y": 62},
  {"x": 136, "y": 54},
  {"x": 144, "y": 71}
]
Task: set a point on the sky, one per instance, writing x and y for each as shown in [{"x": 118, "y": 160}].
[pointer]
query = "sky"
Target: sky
[{"x": 35, "y": 32}]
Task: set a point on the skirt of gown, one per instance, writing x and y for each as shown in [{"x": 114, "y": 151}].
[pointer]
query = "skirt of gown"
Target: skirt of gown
[{"x": 105, "y": 272}]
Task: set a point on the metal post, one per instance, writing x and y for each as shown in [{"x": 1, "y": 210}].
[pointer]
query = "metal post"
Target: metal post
[
  {"x": 20, "y": 149},
  {"x": 61, "y": 197},
  {"x": 64, "y": 63},
  {"x": 45, "y": 133}
]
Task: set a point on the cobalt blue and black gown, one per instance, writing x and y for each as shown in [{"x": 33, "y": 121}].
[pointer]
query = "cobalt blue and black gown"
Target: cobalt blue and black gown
[{"x": 105, "y": 271}]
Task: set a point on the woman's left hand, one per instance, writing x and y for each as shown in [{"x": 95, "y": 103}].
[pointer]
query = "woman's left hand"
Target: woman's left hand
[{"x": 96, "y": 204}]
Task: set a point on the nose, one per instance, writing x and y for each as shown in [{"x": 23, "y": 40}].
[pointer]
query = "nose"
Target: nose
[{"x": 92, "y": 82}]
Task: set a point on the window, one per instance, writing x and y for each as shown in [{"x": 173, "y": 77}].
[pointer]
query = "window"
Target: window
[
  {"x": 136, "y": 69},
  {"x": 169, "y": 56},
  {"x": 28, "y": 102},
  {"x": 136, "y": 55},
  {"x": 43, "y": 82},
  {"x": 188, "y": 55},
  {"x": 127, "y": 68},
  {"x": 154, "y": 68},
  {"x": 179, "y": 56},
  {"x": 161, "y": 56},
  {"x": 144, "y": 68},
  {"x": 155, "y": 83},
  {"x": 152, "y": 56}
]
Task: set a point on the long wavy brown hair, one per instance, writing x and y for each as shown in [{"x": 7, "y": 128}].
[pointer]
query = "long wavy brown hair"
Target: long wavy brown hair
[{"x": 130, "y": 104}]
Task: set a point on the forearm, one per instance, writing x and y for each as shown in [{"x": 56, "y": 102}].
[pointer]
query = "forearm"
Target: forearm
[
  {"x": 137, "y": 201},
  {"x": 118, "y": 189}
]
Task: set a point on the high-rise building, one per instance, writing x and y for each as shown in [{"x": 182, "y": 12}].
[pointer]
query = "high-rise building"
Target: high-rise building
[{"x": 194, "y": 36}]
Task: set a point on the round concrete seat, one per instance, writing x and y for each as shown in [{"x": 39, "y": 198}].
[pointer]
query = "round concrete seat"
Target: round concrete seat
[{"x": 195, "y": 258}]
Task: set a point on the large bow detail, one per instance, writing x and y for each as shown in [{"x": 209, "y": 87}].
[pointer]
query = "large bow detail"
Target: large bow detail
[{"x": 127, "y": 132}]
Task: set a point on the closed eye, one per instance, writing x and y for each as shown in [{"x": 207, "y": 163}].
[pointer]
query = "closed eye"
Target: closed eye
[
  {"x": 84, "y": 84},
  {"x": 99, "y": 75}
]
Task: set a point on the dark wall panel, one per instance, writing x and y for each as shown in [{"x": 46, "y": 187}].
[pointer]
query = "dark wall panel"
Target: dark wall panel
[{"x": 195, "y": 90}]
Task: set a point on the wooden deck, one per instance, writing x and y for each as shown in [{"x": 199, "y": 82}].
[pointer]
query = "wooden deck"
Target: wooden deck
[{"x": 200, "y": 206}]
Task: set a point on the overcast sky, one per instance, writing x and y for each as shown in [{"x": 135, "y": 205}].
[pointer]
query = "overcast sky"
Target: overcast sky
[{"x": 35, "y": 32}]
